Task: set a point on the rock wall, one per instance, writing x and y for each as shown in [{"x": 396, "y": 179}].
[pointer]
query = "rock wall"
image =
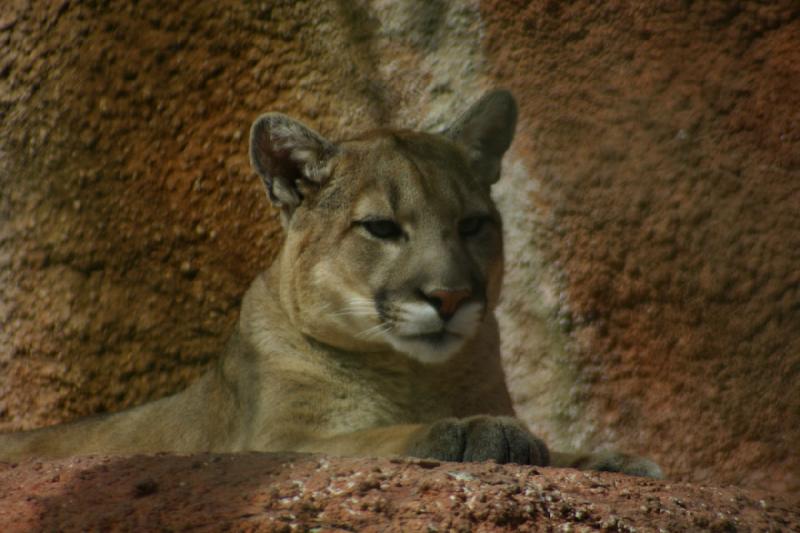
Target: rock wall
[
  {"x": 664, "y": 144},
  {"x": 651, "y": 201}
]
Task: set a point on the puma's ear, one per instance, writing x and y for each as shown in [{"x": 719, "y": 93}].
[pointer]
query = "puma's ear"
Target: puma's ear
[
  {"x": 486, "y": 131},
  {"x": 290, "y": 157}
]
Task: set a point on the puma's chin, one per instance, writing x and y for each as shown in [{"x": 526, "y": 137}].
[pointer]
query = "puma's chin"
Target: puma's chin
[
  {"x": 422, "y": 335},
  {"x": 430, "y": 348}
]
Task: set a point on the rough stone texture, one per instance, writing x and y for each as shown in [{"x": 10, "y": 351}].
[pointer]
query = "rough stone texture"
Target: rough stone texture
[
  {"x": 131, "y": 223},
  {"x": 651, "y": 201},
  {"x": 268, "y": 492},
  {"x": 664, "y": 141}
]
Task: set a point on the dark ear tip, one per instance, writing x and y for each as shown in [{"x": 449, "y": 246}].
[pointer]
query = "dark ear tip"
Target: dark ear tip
[
  {"x": 502, "y": 95},
  {"x": 501, "y": 105},
  {"x": 260, "y": 124},
  {"x": 257, "y": 132},
  {"x": 261, "y": 141},
  {"x": 502, "y": 98}
]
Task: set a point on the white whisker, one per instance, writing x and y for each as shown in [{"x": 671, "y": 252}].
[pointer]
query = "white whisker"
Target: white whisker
[
  {"x": 374, "y": 331},
  {"x": 353, "y": 310},
  {"x": 356, "y": 307}
]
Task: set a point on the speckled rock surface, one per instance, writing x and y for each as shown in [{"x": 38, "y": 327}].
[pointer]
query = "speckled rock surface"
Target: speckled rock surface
[
  {"x": 268, "y": 492},
  {"x": 650, "y": 199},
  {"x": 664, "y": 141},
  {"x": 131, "y": 223}
]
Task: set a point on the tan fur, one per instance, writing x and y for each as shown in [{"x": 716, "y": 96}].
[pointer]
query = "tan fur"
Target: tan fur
[{"x": 331, "y": 352}]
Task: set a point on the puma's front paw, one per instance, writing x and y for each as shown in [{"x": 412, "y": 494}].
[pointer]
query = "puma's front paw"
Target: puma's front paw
[
  {"x": 480, "y": 438},
  {"x": 632, "y": 465},
  {"x": 609, "y": 461}
]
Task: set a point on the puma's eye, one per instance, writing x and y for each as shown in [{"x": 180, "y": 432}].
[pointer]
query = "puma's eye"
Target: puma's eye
[
  {"x": 382, "y": 228},
  {"x": 469, "y": 227}
]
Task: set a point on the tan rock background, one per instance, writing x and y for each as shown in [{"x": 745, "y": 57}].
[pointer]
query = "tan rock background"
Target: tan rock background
[{"x": 651, "y": 199}]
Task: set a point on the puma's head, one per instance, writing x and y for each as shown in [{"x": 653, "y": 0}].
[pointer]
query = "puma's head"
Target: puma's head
[{"x": 393, "y": 241}]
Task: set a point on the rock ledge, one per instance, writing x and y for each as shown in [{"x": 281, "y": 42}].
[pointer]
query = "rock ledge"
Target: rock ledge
[{"x": 291, "y": 492}]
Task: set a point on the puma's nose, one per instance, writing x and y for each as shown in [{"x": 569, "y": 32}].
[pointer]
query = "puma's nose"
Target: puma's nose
[{"x": 447, "y": 302}]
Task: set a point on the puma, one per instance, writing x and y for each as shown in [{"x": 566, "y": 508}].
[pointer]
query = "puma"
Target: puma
[{"x": 373, "y": 332}]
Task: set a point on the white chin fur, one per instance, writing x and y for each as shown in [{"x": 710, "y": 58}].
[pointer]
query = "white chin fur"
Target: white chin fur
[{"x": 422, "y": 335}]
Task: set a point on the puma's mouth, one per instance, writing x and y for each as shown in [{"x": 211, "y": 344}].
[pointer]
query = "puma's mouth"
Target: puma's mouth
[
  {"x": 436, "y": 338},
  {"x": 419, "y": 332},
  {"x": 430, "y": 348}
]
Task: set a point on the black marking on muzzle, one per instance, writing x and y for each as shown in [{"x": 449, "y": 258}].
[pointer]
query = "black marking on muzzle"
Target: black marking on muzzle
[{"x": 381, "y": 303}]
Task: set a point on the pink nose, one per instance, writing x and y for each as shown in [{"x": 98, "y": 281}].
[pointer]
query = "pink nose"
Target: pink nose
[{"x": 447, "y": 302}]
